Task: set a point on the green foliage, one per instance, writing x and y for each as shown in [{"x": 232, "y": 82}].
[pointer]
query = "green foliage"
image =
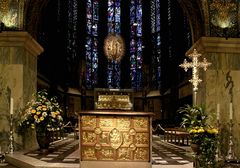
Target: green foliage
[
  {"x": 194, "y": 119},
  {"x": 192, "y": 116}
]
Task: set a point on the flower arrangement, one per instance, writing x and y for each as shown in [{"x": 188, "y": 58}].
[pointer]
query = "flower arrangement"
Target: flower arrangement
[
  {"x": 198, "y": 134},
  {"x": 194, "y": 119},
  {"x": 42, "y": 113}
]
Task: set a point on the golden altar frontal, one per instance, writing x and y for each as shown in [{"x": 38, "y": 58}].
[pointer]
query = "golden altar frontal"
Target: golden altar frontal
[{"x": 114, "y": 139}]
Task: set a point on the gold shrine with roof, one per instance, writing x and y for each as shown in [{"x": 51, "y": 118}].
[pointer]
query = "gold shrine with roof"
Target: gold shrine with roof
[{"x": 113, "y": 99}]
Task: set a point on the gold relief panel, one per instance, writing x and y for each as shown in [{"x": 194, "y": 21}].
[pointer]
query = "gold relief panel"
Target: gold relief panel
[
  {"x": 106, "y": 154},
  {"x": 88, "y": 121},
  {"x": 132, "y": 131},
  {"x": 124, "y": 154},
  {"x": 142, "y": 139},
  {"x": 141, "y": 154},
  {"x": 127, "y": 139},
  {"x": 123, "y": 122},
  {"x": 104, "y": 138},
  {"x": 88, "y": 137},
  {"x": 98, "y": 131},
  {"x": 115, "y": 138},
  {"x": 106, "y": 122},
  {"x": 98, "y": 146},
  {"x": 132, "y": 147},
  {"x": 88, "y": 153},
  {"x": 140, "y": 122}
]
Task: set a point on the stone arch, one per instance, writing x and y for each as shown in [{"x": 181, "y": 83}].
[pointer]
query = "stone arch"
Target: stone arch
[{"x": 193, "y": 10}]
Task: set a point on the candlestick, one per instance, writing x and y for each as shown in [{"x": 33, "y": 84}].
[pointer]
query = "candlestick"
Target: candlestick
[
  {"x": 11, "y": 106},
  {"x": 11, "y": 135},
  {"x": 218, "y": 111},
  {"x": 230, "y": 111}
]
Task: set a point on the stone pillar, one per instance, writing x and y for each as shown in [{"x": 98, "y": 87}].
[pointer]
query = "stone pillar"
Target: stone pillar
[
  {"x": 18, "y": 79},
  {"x": 221, "y": 85}
]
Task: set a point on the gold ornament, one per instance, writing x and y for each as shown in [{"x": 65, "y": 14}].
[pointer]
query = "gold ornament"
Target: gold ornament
[{"x": 114, "y": 47}]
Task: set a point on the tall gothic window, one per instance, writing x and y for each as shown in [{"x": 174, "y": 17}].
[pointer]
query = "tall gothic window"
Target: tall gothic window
[
  {"x": 72, "y": 45},
  {"x": 114, "y": 26},
  {"x": 136, "y": 45},
  {"x": 156, "y": 41},
  {"x": 92, "y": 18}
]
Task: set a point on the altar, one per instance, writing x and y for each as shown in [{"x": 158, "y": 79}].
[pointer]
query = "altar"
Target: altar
[{"x": 115, "y": 139}]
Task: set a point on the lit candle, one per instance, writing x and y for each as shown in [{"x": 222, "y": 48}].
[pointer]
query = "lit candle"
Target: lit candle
[
  {"x": 218, "y": 111},
  {"x": 11, "y": 106},
  {"x": 230, "y": 111}
]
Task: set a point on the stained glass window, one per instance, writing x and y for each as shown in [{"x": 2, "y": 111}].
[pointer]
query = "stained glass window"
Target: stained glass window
[
  {"x": 156, "y": 41},
  {"x": 92, "y": 18},
  {"x": 136, "y": 45},
  {"x": 114, "y": 26}
]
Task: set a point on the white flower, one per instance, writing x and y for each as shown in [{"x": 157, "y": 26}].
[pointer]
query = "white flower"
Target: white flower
[{"x": 44, "y": 114}]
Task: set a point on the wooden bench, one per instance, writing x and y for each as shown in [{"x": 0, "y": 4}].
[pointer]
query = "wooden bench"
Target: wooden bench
[
  {"x": 55, "y": 134},
  {"x": 176, "y": 135}
]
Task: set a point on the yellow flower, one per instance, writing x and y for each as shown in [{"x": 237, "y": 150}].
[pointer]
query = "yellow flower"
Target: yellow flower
[
  {"x": 212, "y": 131},
  {"x": 35, "y": 117},
  {"x": 33, "y": 111},
  {"x": 39, "y": 107},
  {"x": 44, "y": 109},
  {"x": 41, "y": 118},
  {"x": 53, "y": 114},
  {"x": 32, "y": 126},
  {"x": 38, "y": 112},
  {"x": 200, "y": 130}
]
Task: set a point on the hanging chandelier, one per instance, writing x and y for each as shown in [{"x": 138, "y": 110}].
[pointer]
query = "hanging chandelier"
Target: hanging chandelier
[{"x": 114, "y": 47}]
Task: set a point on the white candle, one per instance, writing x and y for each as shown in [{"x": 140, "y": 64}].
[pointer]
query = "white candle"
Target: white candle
[
  {"x": 230, "y": 111},
  {"x": 218, "y": 111},
  {"x": 11, "y": 106}
]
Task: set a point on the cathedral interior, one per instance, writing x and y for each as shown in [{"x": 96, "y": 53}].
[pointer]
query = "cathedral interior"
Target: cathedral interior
[{"x": 66, "y": 48}]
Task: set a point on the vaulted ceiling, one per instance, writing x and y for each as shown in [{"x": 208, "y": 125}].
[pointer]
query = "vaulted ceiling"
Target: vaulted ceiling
[{"x": 196, "y": 11}]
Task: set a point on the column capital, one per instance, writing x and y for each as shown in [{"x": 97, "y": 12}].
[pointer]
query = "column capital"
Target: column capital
[
  {"x": 20, "y": 39},
  {"x": 216, "y": 45}
]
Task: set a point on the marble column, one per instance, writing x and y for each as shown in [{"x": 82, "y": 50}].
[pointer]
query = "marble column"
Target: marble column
[
  {"x": 220, "y": 88},
  {"x": 18, "y": 79}
]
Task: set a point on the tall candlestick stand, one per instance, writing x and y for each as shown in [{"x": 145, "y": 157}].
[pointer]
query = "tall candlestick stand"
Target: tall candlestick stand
[
  {"x": 11, "y": 135},
  {"x": 218, "y": 151},
  {"x": 230, "y": 155}
]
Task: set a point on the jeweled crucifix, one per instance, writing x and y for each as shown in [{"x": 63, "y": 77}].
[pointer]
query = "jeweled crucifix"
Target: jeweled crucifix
[{"x": 195, "y": 65}]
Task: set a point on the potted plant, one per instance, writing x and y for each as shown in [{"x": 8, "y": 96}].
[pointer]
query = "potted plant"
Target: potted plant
[
  {"x": 203, "y": 136},
  {"x": 192, "y": 116},
  {"x": 42, "y": 113}
]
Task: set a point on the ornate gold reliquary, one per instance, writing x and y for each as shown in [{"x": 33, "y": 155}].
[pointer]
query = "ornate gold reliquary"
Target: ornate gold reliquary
[{"x": 113, "y": 99}]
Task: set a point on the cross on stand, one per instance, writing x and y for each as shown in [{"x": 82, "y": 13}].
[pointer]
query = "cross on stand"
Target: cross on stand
[{"x": 195, "y": 65}]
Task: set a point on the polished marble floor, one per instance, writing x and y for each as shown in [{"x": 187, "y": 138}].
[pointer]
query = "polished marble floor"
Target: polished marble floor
[{"x": 65, "y": 153}]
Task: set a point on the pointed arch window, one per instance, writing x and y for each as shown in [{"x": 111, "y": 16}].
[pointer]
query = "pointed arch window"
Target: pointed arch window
[
  {"x": 156, "y": 41},
  {"x": 92, "y": 19},
  {"x": 136, "y": 45},
  {"x": 114, "y": 26}
]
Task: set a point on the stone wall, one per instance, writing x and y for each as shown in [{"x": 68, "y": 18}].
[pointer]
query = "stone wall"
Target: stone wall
[
  {"x": 18, "y": 79},
  {"x": 221, "y": 86}
]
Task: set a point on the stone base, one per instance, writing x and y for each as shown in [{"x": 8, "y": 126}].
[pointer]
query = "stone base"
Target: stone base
[{"x": 111, "y": 164}]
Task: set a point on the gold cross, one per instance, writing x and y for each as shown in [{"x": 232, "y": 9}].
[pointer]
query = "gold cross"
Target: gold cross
[{"x": 195, "y": 65}]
